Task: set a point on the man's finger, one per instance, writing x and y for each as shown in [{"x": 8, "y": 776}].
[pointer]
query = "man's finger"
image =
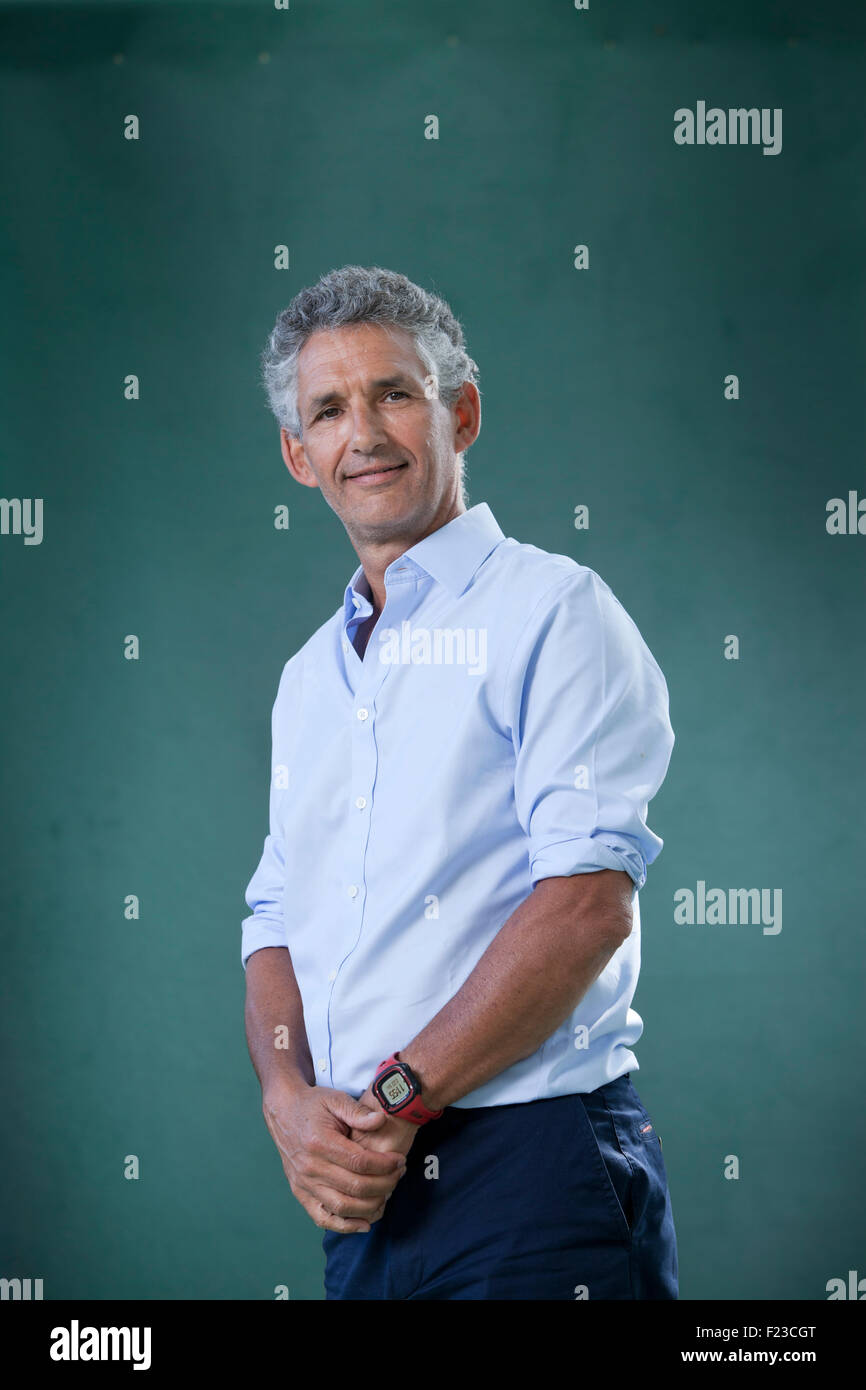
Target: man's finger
[
  {"x": 324, "y": 1207},
  {"x": 357, "y": 1158},
  {"x": 359, "y": 1187},
  {"x": 327, "y": 1221}
]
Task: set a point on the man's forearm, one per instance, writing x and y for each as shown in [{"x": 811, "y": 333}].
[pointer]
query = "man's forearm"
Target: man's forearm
[
  {"x": 532, "y": 975},
  {"x": 274, "y": 1016}
]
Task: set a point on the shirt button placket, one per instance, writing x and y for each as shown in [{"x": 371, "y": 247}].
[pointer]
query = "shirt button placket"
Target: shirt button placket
[{"x": 359, "y": 793}]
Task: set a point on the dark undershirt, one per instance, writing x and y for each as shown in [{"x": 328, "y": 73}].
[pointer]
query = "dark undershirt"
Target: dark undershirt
[{"x": 362, "y": 634}]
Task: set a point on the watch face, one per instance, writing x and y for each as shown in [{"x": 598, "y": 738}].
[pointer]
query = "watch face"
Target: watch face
[{"x": 394, "y": 1088}]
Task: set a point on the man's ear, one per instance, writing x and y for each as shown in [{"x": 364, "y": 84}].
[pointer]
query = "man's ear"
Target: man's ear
[
  {"x": 296, "y": 460},
  {"x": 467, "y": 413}
]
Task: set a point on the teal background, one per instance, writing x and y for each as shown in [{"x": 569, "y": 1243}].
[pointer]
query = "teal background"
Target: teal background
[{"x": 261, "y": 127}]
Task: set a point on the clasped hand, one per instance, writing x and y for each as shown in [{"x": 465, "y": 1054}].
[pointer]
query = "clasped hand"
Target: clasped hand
[{"x": 342, "y": 1157}]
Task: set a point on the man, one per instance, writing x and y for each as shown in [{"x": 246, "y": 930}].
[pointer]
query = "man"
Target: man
[{"x": 445, "y": 935}]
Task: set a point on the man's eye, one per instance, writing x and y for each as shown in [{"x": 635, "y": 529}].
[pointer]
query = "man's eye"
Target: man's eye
[{"x": 395, "y": 391}]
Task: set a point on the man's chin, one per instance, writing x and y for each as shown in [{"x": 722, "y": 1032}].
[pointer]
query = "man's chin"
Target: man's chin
[{"x": 371, "y": 523}]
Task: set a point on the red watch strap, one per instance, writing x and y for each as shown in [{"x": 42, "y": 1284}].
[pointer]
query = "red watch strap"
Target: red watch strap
[{"x": 413, "y": 1109}]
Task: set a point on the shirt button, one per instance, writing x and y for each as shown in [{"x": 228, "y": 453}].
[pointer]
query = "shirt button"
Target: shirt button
[
  {"x": 362, "y": 713},
  {"x": 345, "y": 645},
  {"x": 361, "y": 802},
  {"x": 323, "y": 1064},
  {"x": 353, "y": 891},
  {"x": 333, "y": 975}
]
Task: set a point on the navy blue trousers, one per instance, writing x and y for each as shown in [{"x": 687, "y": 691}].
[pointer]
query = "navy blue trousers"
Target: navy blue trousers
[{"x": 565, "y": 1198}]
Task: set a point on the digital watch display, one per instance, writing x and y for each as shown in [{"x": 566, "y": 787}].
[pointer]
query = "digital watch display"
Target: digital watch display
[{"x": 398, "y": 1091}]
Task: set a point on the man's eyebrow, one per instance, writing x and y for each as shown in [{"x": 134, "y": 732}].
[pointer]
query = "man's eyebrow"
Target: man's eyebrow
[{"x": 379, "y": 384}]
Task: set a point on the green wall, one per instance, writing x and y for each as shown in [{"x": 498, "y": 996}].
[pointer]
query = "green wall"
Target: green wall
[{"x": 602, "y": 386}]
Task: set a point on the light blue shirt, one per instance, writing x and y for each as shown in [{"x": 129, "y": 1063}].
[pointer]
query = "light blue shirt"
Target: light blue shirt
[{"x": 507, "y": 723}]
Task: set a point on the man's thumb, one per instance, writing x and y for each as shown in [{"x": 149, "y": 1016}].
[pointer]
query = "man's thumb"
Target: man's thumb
[{"x": 361, "y": 1116}]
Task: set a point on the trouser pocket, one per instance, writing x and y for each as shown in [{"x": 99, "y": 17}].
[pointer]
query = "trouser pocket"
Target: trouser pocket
[
  {"x": 631, "y": 1149},
  {"x": 613, "y": 1171}
]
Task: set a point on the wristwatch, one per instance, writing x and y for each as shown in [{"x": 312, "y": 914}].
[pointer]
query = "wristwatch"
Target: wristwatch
[{"x": 398, "y": 1090}]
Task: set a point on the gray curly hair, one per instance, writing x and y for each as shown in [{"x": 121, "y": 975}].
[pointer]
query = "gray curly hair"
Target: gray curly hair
[{"x": 365, "y": 294}]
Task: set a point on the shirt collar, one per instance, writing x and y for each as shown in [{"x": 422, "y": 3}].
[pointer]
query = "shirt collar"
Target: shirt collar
[{"x": 451, "y": 556}]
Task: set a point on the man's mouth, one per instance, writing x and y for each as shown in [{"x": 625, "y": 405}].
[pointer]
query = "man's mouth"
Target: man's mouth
[{"x": 371, "y": 476}]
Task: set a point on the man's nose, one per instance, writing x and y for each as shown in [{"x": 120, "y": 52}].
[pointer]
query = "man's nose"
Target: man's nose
[{"x": 367, "y": 428}]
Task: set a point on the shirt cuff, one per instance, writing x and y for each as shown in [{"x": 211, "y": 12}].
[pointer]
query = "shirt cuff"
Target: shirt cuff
[
  {"x": 583, "y": 856},
  {"x": 258, "y": 935}
]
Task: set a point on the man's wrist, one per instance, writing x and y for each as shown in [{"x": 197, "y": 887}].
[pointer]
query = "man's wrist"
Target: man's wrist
[
  {"x": 428, "y": 1099},
  {"x": 286, "y": 1084},
  {"x": 372, "y": 1101}
]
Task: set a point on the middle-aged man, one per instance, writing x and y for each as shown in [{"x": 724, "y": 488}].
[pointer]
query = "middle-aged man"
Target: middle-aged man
[{"x": 445, "y": 936}]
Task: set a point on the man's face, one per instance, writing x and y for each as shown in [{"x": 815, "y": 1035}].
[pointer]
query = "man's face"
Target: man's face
[{"x": 376, "y": 438}]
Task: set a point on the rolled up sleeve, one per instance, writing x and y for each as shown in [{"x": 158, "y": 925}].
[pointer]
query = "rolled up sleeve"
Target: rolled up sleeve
[
  {"x": 587, "y": 707},
  {"x": 264, "y": 893}
]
